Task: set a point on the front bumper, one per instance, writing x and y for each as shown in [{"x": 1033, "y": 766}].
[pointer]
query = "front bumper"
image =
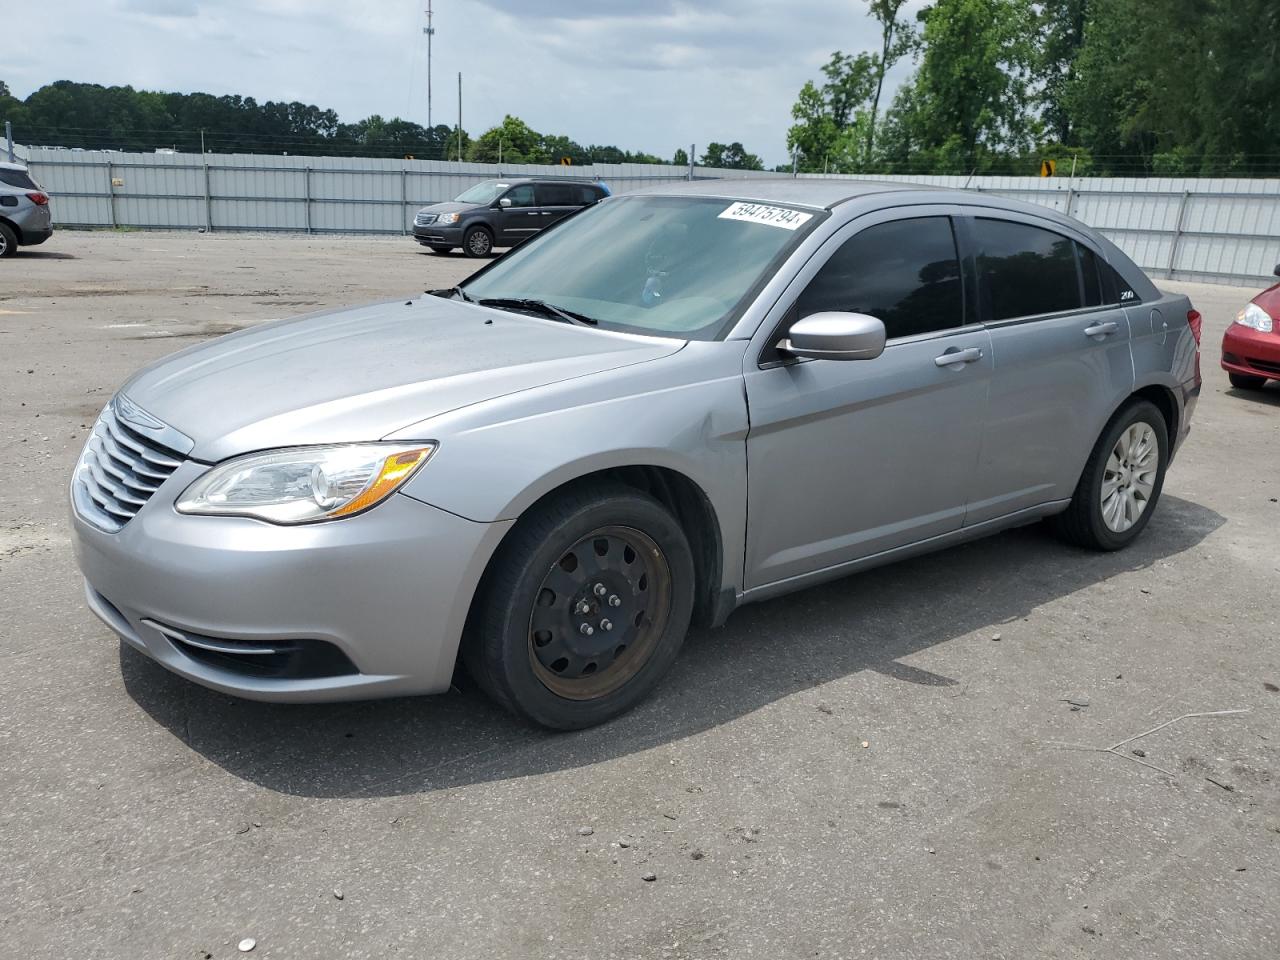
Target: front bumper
[
  {"x": 1251, "y": 352},
  {"x": 389, "y": 589},
  {"x": 436, "y": 235}
]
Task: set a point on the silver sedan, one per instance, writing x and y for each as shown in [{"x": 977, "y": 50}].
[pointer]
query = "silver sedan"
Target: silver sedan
[{"x": 670, "y": 404}]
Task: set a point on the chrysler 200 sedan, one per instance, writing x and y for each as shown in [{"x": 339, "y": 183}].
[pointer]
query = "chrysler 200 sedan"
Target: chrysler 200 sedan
[{"x": 668, "y": 405}]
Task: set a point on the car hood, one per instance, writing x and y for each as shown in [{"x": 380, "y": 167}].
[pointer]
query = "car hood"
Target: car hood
[
  {"x": 448, "y": 206},
  {"x": 362, "y": 374}
]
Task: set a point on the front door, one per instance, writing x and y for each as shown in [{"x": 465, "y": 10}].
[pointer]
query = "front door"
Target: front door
[
  {"x": 850, "y": 458},
  {"x": 522, "y": 219}
]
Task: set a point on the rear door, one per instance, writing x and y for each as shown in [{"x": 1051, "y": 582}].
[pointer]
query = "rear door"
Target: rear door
[
  {"x": 555, "y": 201},
  {"x": 851, "y": 458},
  {"x": 522, "y": 219},
  {"x": 1062, "y": 359}
]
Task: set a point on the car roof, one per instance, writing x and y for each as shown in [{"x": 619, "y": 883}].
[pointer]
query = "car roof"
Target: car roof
[
  {"x": 820, "y": 194},
  {"x": 5, "y": 165},
  {"x": 512, "y": 181}
]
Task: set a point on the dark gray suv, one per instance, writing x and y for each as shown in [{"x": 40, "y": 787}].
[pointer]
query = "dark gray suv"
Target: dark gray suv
[{"x": 501, "y": 213}]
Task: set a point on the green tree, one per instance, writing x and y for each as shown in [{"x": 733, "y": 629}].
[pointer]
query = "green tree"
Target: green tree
[
  {"x": 896, "y": 41},
  {"x": 969, "y": 100},
  {"x": 731, "y": 156},
  {"x": 681, "y": 158},
  {"x": 512, "y": 141}
]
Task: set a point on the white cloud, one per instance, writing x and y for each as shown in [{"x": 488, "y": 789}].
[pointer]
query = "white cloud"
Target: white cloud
[{"x": 642, "y": 74}]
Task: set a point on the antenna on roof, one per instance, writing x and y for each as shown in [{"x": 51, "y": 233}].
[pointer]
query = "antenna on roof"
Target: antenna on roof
[{"x": 970, "y": 180}]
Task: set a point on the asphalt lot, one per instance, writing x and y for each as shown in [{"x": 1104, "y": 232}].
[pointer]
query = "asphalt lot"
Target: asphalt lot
[{"x": 869, "y": 767}]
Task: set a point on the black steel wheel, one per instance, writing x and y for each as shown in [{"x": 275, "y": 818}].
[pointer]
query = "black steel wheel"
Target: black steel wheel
[
  {"x": 478, "y": 242},
  {"x": 599, "y": 612},
  {"x": 583, "y": 609}
]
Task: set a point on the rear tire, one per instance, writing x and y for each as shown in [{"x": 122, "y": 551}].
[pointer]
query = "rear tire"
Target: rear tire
[
  {"x": 1243, "y": 381},
  {"x": 478, "y": 242},
  {"x": 1121, "y": 482},
  {"x": 608, "y": 558},
  {"x": 8, "y": 241}
]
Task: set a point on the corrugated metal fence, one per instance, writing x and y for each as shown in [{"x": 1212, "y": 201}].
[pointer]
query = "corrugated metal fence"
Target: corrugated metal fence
[{"x": 1191, "y": 229}]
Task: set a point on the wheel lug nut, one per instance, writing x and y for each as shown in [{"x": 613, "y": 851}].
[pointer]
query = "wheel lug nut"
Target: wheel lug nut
[
  {"x": 600, "y": 590},
  {"x": 615, "y": 600},
  {"x": 586, "y": 630},
  {"x": 606, "y": 625}
]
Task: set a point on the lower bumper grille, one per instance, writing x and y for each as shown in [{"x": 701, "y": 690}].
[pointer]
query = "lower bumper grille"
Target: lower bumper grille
[{"x": 278, "y": 659}]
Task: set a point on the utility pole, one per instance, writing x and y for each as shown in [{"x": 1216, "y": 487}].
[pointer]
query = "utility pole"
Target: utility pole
[
  {"x": 430, "y": 31},
  {"x": 8, "y": 135},
  {"x": 459, "y": 116}
]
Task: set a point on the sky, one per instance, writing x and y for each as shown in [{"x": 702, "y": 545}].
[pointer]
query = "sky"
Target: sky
[{"x": 649, "y": 75}]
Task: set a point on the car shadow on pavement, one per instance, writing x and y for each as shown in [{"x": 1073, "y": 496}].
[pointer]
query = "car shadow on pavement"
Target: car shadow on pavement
[
  {"x": 765, "y": 652},
  {"x": 1269, "y": 394}
]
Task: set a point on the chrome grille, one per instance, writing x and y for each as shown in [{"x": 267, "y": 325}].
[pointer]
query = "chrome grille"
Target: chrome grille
[
  {"x": 424, "y": 219},
  {"x": 119, "y": 471}
]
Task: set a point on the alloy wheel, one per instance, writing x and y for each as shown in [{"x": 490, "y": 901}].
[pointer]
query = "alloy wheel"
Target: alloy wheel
[
  {"x": 479, "y": 243},
  {"x": 1129, "y": 477},
  {"x": 599, "y": 613}
]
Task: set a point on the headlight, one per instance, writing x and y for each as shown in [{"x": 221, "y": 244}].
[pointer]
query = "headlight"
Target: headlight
[
  {"x": 305, "y": 484},
  {"x": 447, "y": 218},
  {"x": 1254, "y": 316}
]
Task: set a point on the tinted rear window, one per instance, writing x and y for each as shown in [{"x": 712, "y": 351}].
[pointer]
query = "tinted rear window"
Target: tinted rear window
[
  {"x": 1026, "y": 271},
  {"x": 557, "y": 195},
  {"x": 17, "y": 178}
]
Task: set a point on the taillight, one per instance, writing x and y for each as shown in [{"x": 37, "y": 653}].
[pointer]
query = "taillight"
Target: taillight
[
  {"x": 1195, "y": 321},
  {"x": 39, "y": 199}
]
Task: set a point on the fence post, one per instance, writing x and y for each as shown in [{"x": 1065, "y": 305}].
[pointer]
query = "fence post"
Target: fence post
[
  {"x": 1177, "y": 234},
  {"x": 306, "y": 180},
  {"x": 111, "y": 192},
  {"x": 208, "y": 202},
  {"x": 404, "y": 200}
]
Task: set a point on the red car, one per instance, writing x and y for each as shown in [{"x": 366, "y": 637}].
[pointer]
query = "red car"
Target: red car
[{"x": 1251, "y": 345}]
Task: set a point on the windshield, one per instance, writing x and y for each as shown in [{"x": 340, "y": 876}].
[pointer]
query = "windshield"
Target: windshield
[
  {"x": 672, "y": 266},
  {"x": 486, "y": 192}
]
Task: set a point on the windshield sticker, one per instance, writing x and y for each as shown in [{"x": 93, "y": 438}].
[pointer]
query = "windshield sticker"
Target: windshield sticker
[{"x": 763, "y": 213}]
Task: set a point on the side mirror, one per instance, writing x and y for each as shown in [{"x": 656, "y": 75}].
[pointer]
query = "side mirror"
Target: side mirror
[
  {"x": 1276, "y": 271},
  {"x": 835, "y": 336},
  {"x": 504, "y": 202}
]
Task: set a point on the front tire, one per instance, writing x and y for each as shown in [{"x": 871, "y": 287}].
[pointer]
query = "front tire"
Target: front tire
[
  {"x": 1243, "y": 381},
  {"x": 478, "y": 242},
  {"x": 1121, "y": 482},
  {"x": 439, "y": 248},
  {"x": 583, "y": 609}
]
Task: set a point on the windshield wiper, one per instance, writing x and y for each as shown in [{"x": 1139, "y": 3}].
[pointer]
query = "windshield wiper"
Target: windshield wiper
[
  {"x": 450, "y": 292},
  {"x": 538, "y": 306}
]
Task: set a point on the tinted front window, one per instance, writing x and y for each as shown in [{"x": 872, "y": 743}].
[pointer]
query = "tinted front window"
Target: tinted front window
[
  {"x": 522, "y": 196},
  {"x": 18, "y": 178},
  {"x": 681, "y": 266},
  {"x": 906, "y": 273},
  {"x": 483, "y": 193},
  {"x": 1024, "y": 270},
  {"x": 556, "y": 194}
]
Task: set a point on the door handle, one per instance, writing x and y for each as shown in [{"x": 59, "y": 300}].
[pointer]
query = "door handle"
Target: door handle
[
  {"x": 1101, "y": 329},
  {"x": 954, "y": 357}
]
